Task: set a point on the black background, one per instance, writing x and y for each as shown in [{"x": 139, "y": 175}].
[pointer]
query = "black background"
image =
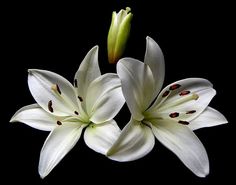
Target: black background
[{"x": 196, "y": 42}]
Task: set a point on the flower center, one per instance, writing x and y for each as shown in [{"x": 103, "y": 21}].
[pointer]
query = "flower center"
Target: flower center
[
  {"x": 57, "y": 91},
  {"x": 168, "y": 108}
]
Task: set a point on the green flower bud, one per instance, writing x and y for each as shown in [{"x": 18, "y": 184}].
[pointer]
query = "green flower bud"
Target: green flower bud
[{"x": 118, "y": 34}]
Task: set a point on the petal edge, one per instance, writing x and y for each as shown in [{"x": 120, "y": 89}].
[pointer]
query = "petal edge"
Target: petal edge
[{"x": 136, "y": 141}]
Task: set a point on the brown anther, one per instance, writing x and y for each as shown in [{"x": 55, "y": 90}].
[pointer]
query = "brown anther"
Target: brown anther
[
  {"x": 175, "y": 86},
  {"x": 80, "y": 98},
  {"x": 191, "y": 112},
  {"x": 59, "y": 123},
  {"x": 183, "y": 93},
  {"x": 58, "y": 89},
  {"x": 174, "y": 114},
  {"x": 50, "y": 106},
  {"x": 76, "y": 113},
  {"x": 165, "y": 94},
  {"x": 183, "y": 122},
  {"x": 75, "y": 83}
]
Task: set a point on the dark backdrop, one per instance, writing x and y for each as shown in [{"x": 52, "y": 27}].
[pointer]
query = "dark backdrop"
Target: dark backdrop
[{"x": 196, "y": 42}]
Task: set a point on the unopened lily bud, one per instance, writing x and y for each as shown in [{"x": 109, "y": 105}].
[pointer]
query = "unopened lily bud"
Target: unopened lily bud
[{"x": 118, "y": 34}]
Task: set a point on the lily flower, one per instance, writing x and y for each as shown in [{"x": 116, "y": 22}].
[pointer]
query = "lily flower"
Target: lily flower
[
  {"x": 65, "y": 110},
  {"x": 171, "y": 117}
]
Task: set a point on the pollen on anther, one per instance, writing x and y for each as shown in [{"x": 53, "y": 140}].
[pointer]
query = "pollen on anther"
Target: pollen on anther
[
  {"x": 183, "y": 122},
  {"x": 75, "y": 83},
  {"x": 50, "y": 106},
  {"x": 58, "y": 89},
  {"x": 183, "y": 93},
  {"x": 165, "y": 94},
  {"x": 59, "y": 123},
  {"x": 174, "y": 114},
  {"x": 80, "y": 98},
  {"x": 175, "y": 86},
  {"x": 76, "y": 113},
  {"x": 191, "y": 112}
]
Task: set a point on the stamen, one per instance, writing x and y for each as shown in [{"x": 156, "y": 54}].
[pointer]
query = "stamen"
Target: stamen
[
  {"x": 165, "y": 94},
  {"x": 183, "y": 122},
  {"x": 80, "y": 98},
  {"x": 56, "y": 88},
  {"x": 76, "y": 113},
  {"x": 186, "y": 99},
  {"x": 183, "y": 93},
  {"x": 174, "y": 114},
  {"x": 50, "y": 106},
  {"x": 191, "y": 112},
  {"x": 181, "y": 100},
  {"x": 59, "y": 123},
  {"x": 75, "y": 83},
  {"x": 175, "y": 86}
]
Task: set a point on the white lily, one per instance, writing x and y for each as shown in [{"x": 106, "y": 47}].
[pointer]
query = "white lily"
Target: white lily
[
  {"x": 65, "y": 110},
  {"x": 171, "y": 116}
]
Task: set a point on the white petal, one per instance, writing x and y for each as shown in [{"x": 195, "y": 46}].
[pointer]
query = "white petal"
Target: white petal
[
  {"x": 185, "y": 144},
  {"x": 104, "y": 98},
  {"x": 136, "y": 141},
  {"x": 59, "y": 142},
  {"x": 42, "y": 85},
  {"x": 200, "y": 95},
  {"x": 101, "y": 137},
  {"x": 34, "y": 116},
  {"x": 155, "y": 59},
  {"x": 137, "y": 85},
  {"x": 208, "y": 118},
  {"x": 87, "y": 72}
]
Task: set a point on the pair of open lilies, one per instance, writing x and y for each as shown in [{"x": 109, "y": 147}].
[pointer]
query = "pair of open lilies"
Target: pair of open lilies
[{"x": 94, "y": 100}]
